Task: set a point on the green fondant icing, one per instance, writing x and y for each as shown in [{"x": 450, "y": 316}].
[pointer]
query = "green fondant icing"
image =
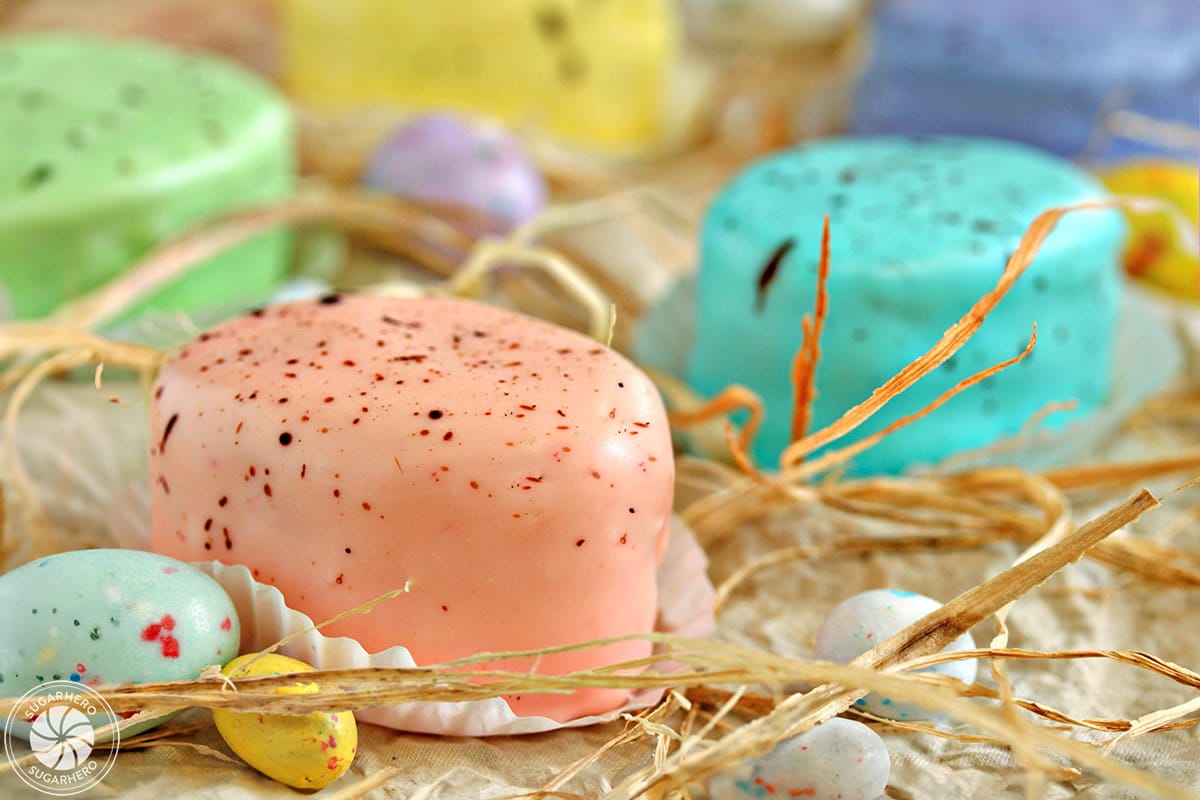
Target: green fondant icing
[
  {"x": 921, "y": 229},
  {"x": 109, "y": 148}
]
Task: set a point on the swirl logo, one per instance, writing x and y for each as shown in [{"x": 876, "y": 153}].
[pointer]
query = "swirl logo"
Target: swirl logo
[
  {"x": 62, "y": 738},
  {"x": 60, "y": 719}
]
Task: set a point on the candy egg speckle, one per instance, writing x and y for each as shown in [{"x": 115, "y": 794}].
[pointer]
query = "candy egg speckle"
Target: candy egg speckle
[
  {"x": 860, "y": 622},
  {"x": 441, "y": 158},
  {"x": 111, "y": 616},
  {"x": 305, "y": 751},
  {"x": 837, "y": 760}
]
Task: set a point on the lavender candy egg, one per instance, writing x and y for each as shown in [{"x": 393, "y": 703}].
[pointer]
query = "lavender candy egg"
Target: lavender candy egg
[
  {"x": 440, "y": 158},
  {"x": 837, "y": 760},
  {"x": 860, "y": 622}
]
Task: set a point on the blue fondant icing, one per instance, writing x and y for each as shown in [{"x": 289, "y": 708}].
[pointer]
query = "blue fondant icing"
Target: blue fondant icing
[
  {"x": 1040, "y": 72},
  {"x": 920, "y": 230}
]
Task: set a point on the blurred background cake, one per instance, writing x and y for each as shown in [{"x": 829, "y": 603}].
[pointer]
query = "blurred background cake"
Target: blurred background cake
[
  {"x": 592, "y": 73},
  {"x": 1044, "y": 73},
  {"x": 110, "y": 148},
  {"x": 920, "y": 230}
]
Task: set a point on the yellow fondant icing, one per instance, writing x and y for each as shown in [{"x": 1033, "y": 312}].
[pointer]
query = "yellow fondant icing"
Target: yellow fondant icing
[{"x": 592, "y": 73}]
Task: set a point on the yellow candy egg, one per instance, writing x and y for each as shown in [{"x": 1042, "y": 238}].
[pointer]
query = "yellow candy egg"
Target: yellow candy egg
[
  {"x": 305, "y": 751},
  {"x": 1155, "y": 254}
]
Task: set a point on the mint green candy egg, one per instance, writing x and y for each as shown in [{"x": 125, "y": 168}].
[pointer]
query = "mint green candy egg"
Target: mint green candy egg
[{"x": 104, "y": 617}]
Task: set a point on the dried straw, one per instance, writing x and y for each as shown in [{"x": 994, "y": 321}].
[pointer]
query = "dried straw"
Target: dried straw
[
  {"x": 804, "y": 367},
  {"x": 952, "y": 340}
]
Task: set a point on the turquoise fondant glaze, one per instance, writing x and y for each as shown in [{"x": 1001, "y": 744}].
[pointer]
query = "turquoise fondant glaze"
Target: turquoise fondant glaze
[{"x": 920, "y": 229}]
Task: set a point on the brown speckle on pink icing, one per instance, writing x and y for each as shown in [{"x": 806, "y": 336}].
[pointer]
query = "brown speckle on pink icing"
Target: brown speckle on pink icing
[{"x": 167, "y": 431}]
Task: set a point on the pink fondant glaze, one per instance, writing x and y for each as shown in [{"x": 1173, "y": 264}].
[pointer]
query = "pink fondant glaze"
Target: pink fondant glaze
[{"x": 517, "y": 474}]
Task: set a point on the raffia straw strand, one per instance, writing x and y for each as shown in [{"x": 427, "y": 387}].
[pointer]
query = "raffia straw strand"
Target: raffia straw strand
[
  {"x": 953, "y": 339},
  {"x": 1034, "y": 780},
  {"x": 742, "y": 460},
  {"x": 804, "y": 366},
  {"x": 20, "y": 338},
  {"x": 798, "y": 472},
  {"x": 1134, "y": 658},
  {"x": 607, "y": 208},
  {"x": 951, "y": 512},
  {"x": 489, "y": 255},
  {"x": 42, "y": 540},
  {"x": 1155, "y": 720},
  {"x": 365, "y": 608},
  {"x": 1093, "y": 475},
  {"x": 706, "y": 662},
  {"x": 76, "y": 348},
  {"x": 729, "y": 400},
  {"x": 630, "y": 733},
  {"x": 1155, "y": 562}
]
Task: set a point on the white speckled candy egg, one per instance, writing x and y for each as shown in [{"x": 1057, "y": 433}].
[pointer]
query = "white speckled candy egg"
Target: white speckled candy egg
[
  {"x": 440, "y": 158},
  {"x": 837, "y": 760},
  {"x": 111, "y": 616},
  {"x": 307, "y": 751},
  {"x": 860, "y": 622}
]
